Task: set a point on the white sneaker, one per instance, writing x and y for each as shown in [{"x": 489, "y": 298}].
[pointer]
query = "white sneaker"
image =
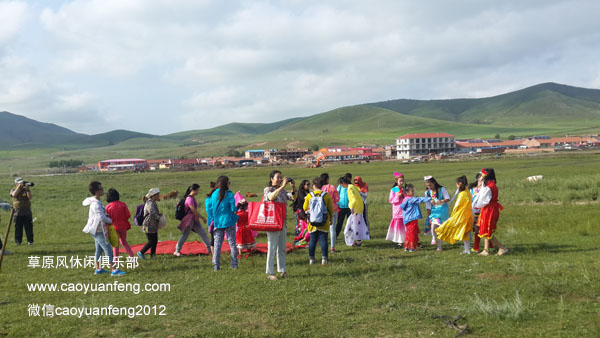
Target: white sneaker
[
  {"x": 311, "y": 261},
  {"x": 324, "y": 261},
  {"x": 464, "y": 252},
  {"x": 177, "y": 253}
]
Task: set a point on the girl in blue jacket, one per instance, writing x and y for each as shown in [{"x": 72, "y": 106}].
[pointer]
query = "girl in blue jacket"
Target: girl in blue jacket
[
  {"x": 221, "y": 213},
  {"x": 411, "y": 213}
]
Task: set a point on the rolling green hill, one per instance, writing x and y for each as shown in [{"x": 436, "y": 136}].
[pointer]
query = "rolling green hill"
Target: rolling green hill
[
  {"x": 234, "y": 128},
  {"x": 21, "y": 133},
  {"x": 549, "y": 108},
  {"x": 543, "y": 104}
]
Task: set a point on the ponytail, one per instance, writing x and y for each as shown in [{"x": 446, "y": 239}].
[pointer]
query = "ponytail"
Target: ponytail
[{"x": 223, "y": 186}]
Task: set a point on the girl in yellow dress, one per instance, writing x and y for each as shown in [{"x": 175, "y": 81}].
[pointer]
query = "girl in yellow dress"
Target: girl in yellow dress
[{"x": 460, "y": 223}]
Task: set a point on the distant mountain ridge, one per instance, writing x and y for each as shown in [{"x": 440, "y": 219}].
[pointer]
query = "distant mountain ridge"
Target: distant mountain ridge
[
  {"x": 544, "y": 102},
  {"x": 20, "y": 132},
  {"x": 544, "y": 108}
]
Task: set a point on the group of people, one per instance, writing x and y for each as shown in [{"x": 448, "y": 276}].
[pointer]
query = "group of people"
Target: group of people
[
  {"x": 320, "y": 210},
  {"x": 475, "y": 213}
]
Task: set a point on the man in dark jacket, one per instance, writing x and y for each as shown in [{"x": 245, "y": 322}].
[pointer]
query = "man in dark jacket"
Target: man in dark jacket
[{"x": 21, "y": 196}]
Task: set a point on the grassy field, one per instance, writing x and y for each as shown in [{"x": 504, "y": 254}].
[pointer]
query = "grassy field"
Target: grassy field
[{"x": 549, "y": 285}]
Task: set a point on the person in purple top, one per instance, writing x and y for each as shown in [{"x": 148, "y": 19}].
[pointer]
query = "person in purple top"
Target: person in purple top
[{"x": 191, "y": 220}]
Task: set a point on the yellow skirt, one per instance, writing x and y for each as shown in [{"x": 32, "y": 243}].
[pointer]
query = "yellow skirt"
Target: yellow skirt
[{"x": 455, "y": 229}]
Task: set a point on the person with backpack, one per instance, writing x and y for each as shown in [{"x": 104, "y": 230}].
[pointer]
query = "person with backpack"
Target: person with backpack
[
  {"x": 318, "y": 206},
  {"x": 302, "y": 236},
  {"x": 187, "y": 212},
  {"x": 151, "y": 223}
]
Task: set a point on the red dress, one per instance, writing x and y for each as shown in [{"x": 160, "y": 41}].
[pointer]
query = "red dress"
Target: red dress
[
  {"x": 243, "y": 235},
  {"x": 490, "y": 213}
]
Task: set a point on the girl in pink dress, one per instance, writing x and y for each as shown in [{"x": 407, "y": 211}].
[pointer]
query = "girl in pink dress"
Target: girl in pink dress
[{"x": 397, "y": 230}]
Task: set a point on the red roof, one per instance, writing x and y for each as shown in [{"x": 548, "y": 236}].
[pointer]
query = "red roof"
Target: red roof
[
  {"x": 426, "y": 135},
  {"x": 473, "y": 144},
  {"x": 124, "y": 160},
  {"x": 489, "y": 145},
  {"x": 340, "y": 153},
  {"x": 157, "y": 161},
  {"x": 509, "y": 143}
]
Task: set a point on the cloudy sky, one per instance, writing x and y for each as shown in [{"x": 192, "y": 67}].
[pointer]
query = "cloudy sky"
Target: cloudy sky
[{"x": 161, "y": 66}]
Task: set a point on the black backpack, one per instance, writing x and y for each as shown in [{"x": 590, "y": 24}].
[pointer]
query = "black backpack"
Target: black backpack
[{"x": 180, "y": 209}]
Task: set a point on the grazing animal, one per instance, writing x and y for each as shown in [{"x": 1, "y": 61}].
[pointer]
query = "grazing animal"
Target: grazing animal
[
  {"x": 250, "y": 194},
  {"x": 173, "y": 194},
  {"x": 534, "y": 179}
]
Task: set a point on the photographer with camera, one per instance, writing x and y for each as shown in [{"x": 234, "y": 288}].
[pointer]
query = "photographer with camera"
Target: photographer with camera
[{"x": 21, "y": 196}]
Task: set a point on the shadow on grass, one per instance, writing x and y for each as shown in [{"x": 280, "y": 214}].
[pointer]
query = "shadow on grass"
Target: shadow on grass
[
  {"x": 547, "y": 248},
  {"x": 59, "y": 252}
]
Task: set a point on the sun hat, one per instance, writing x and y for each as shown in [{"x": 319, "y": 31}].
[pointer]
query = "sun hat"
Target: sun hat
[{"x": 152, "y": 192}]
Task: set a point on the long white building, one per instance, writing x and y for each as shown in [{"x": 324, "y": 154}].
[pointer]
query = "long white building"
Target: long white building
[{"x": 412, "y": 145}]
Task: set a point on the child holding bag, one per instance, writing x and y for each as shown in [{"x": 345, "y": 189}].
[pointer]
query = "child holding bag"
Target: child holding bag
[
  {"x": 96, "y": 226},
  {"x": 119, "y": 213}
]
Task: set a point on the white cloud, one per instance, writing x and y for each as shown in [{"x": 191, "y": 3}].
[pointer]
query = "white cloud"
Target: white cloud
[
  {"x": 213, "y": 62},
  {"x": 13, "y": 15},
  {"x": 73, "y": 102}
]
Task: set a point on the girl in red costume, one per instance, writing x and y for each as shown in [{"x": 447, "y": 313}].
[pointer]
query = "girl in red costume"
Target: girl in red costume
[{"x": 487, "y": 201}]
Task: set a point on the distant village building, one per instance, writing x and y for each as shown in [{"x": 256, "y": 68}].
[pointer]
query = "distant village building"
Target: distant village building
[
  {"x": 391, "y": 152},
  {"x": 255, "y": 154},
  {"x": 487, "y": 146},
  {"x": 411, "y": 145},
  {"x": 285, "y": 154},
  {"x": 553, "y": 142},
  {"x": 123, "y": 164},
  {"x": 345, "y": 154},
  {"x": 159, "y": 164},
  {"x": 339, "y": 155},
  {"x": 186, "y": 163}
]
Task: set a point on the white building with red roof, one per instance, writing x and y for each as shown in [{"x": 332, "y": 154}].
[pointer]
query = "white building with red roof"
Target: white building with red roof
[
  {"x": 414, "y": 145},
  {"x": 123, "y": 164}
]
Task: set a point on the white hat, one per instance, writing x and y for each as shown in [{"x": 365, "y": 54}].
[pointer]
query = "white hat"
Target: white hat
[
  {"x": 152, "y": 192},
  {"x": 19, "y": 180},
  {"x": 427, "y": 177}
]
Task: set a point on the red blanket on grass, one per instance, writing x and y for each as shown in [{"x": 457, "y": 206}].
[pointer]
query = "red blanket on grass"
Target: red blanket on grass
[{"x": 198, "y": 248}]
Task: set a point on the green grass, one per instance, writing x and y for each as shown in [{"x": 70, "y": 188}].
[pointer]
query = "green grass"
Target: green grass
[{"x": 549, "y": 285}]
